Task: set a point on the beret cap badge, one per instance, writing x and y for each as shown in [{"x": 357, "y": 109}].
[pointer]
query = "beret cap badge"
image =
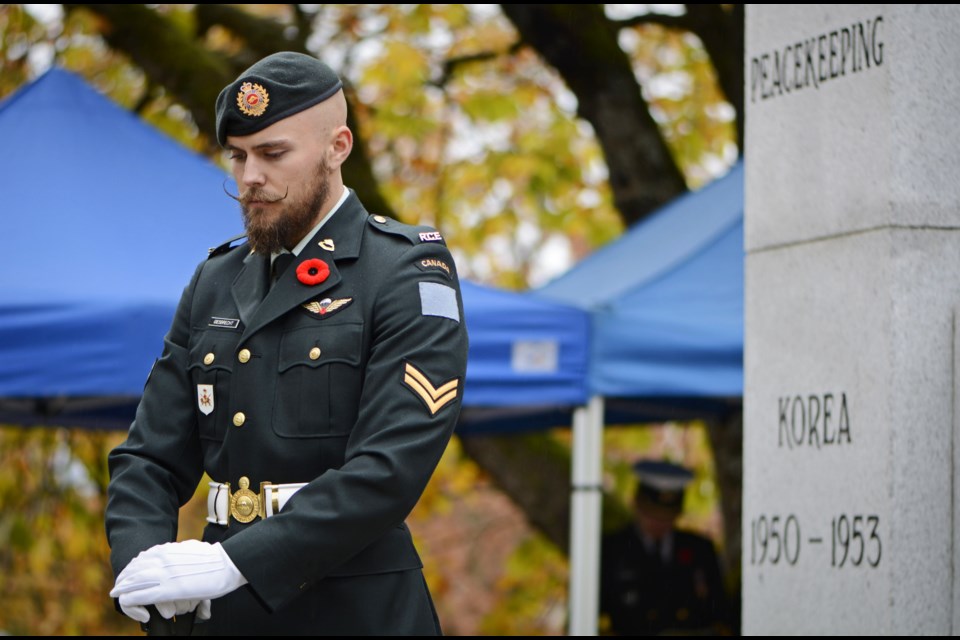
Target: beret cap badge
[{"x": 252, "y": 99}]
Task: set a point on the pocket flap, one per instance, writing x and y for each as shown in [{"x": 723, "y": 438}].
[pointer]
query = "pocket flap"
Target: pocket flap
[
  {"x": 211, "y": 353},
  {"x": 317, "y": 346}
]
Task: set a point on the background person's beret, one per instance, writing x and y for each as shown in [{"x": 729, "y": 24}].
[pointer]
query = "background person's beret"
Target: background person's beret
[{"x": 274, "y": 88}]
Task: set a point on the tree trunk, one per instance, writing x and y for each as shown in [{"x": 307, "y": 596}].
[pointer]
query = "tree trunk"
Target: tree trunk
[
  {"x": 534, "y": 471},
  {"x": 720, "y": 29},
  {"x": 726, "y": 439},
  {"x": 581, "y": 44}
]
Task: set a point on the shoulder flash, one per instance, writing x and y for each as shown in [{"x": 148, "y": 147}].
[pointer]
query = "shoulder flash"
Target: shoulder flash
[
  {"x": 414, "y": 233},
  {"x": 223, "y": 248}
]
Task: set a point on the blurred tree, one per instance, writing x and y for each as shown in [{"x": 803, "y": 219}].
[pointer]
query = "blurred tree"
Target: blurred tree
[
  {"x": 54, "y": 566},
  {"x": 523, "y": 132}
]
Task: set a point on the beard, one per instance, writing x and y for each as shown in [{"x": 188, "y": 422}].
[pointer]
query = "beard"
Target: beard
[{"x": 269, "y": 233}]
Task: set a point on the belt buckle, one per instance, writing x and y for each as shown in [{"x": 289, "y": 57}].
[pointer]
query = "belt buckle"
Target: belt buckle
[{"x": 245, "y": 505}]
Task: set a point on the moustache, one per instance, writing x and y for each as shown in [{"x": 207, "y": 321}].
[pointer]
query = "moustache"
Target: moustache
[{"x": 255, "y": 194}]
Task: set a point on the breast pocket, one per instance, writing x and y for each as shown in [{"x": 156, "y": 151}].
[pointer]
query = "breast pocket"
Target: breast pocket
[
  {"x": 210, "y": 366},
  {"x": 319, "y": 382}
]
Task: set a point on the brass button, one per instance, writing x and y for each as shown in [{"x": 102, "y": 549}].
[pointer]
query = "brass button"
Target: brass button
[
  {"x": 239, "y": 419},
  {"x": 244, "y": 355},
  {"x": 315, "y": 353},
  {"x": 208, "y": 359},
  {"x": 380, "y": 219}
]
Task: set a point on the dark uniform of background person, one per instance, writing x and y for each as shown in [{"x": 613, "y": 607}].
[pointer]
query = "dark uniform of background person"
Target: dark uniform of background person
[
  {"x": 655, "y": 579},
  {"x": 344, "y": 375}
]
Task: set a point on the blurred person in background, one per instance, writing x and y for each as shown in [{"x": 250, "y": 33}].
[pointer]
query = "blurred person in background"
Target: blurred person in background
[{"x": 656, "y": 579}]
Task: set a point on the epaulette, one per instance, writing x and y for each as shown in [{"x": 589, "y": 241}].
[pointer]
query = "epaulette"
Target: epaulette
[
  {"x": 223, "y": 248},
  {"x": 413, "y": 233}
]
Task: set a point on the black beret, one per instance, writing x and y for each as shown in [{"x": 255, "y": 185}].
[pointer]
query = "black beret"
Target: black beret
[
  {"x": 662, "y": 485},
  {"x": 274, "y": 88}
]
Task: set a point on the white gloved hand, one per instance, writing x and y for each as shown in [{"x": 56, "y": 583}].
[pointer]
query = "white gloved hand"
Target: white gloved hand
[
  {"x": 137, "y": 612},
  {"x": 180, "y": 607},
  {"x": 174, "y": 571}
]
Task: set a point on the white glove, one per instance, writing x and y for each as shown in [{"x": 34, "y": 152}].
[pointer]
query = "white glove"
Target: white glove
[
  {"x": 138, "y": 613},
  {"x": 176, "y": 571},
  {"x": 180, "y": 607},
  {"x": 169, "y": 609}
]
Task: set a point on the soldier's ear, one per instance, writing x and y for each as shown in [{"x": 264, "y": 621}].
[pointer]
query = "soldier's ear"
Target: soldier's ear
[{"x": 341, "y": 146}]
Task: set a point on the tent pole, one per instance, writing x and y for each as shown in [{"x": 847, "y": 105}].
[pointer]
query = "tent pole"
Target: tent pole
[{"x": 586, "y": 496}]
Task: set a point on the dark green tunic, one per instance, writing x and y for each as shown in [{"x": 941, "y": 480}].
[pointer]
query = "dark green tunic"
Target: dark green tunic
[{"x": 352, "y": 385}]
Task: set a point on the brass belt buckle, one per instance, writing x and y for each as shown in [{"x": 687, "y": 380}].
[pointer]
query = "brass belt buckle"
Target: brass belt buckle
[{"x": 245, "y": 505}]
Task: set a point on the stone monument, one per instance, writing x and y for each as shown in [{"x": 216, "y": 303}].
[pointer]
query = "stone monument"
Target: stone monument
[{"x": 852, "y": 338}]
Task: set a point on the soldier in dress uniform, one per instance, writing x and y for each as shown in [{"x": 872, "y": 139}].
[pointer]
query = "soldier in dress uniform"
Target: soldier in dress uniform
[
  {"x": 318, "y": 397},
  {"x": 656, "y": 579}
]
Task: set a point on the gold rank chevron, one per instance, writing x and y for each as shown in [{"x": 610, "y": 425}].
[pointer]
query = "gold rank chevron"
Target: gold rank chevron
[{"x": 434, "y": 397}]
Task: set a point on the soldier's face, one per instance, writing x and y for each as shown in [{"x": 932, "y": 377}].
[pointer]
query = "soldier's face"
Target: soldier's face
[
  {"x": 273, "y": 222},
  {"x": 653, "y": 524},
  {"x": 284, "y": 181}
]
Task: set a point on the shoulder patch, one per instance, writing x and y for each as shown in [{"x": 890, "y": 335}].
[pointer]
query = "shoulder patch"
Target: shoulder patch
[
  {"x": 439, "y": 300},
  {"x": 434, "y": 264},
  {"x": 414, "y": 233},
  {"x": 430, "y": 236},
  {"x": 226, "y": 246}
]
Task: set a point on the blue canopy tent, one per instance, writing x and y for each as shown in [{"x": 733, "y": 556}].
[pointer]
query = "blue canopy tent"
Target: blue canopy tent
[
  {"x": 666, "y": 301},
  {"x": 107, "y": 218},
  {"x": 121, "y": 215},
  {"x": 666, "y": 305},
  {"x": 527, "y": 365}
]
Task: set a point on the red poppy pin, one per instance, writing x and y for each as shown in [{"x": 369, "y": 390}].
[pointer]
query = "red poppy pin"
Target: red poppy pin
[{"x": 313, "y": 271}]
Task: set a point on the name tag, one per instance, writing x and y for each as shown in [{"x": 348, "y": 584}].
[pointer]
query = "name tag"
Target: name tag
[{"x": 224, "y": 323}]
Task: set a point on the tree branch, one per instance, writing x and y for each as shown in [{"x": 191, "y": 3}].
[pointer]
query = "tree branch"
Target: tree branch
[
  {"x": 194, "y": 75},
  {"x": 188, "y": 71},
  {"x": 452, "y": 64}
]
